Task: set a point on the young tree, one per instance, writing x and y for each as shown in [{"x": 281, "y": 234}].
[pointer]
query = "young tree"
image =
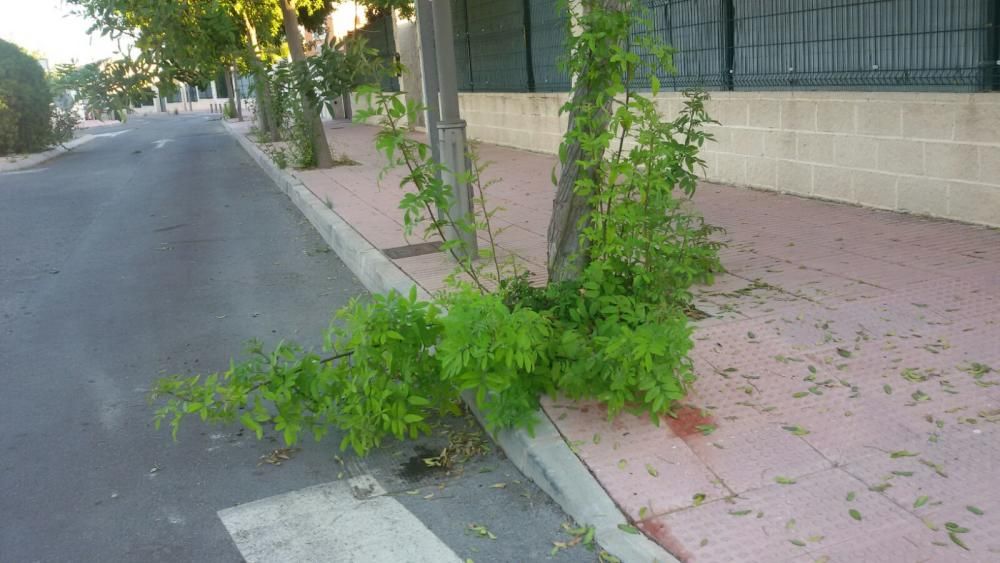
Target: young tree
[{"x": 324, "y": 159}]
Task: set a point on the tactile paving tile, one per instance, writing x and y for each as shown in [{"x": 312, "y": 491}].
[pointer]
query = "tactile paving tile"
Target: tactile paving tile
[
  {"x": 647, "y": 470},
  {"x": 870, "y": 270},
  {"x": 812, "y": 512},
  {"x": 967, "y": 463},
  {"x": 748, "y": 456},
  {"x": 902, "y": 544},
  {"x": 954, "y": 299}
]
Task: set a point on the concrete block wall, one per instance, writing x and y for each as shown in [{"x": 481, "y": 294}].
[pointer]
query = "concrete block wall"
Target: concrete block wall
[
  {"x": 524, "y": 121},
  {"x": 927, "y": 153}
]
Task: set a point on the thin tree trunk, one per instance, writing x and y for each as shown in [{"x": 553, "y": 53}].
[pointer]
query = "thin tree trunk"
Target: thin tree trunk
[
  {"x": 567, "y": 253},
  {"x": 310, "y": 113},
  {"x": 236, "y": 93},
  {"x": 268, "y": 121},
  {"x": 228, "y": 77}
]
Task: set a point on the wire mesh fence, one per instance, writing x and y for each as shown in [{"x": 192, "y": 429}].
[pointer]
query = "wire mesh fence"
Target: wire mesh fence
[
  {"x": 509, "y": 45},
  {"x": 378, "y": 34},
  {"x": 917, "y": 45},
  {"x": 929, "y": 45}
]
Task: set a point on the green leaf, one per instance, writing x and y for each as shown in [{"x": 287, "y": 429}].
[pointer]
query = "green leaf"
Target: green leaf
[
  {"x": 850, "y": 496},
  {"x": 785, "y": 480},
  {"x": 410, "y": 418},
  {"x": 628, "y": 529},
  {"x": 796, "y": 430},
  {"x": 797, "y": 542},
  {"x": 739, "y": 512},
  {"x": 903, "y": 453},
  {"x": 975, "y": 510},
  {"x": 957, "y": 541},
  {"x": 698, "y": 498},
  {"x": 844, "y": 353},
  {"x": 887, "y": 388},
  {"x": 955, "y": 528},
  {"x": 652, "y": 470},
  {"x": 855, "y": 514},
  {"x": 417, "y": 401},
  {"x": 920, "y": 501},
  {"x": 706, "y": 429}
]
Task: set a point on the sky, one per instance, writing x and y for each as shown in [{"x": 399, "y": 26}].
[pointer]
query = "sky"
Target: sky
[{"x": 48, "y": 28}]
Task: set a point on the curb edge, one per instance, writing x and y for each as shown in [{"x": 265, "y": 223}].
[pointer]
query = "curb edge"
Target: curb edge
[{"x": 40, "y": 157}]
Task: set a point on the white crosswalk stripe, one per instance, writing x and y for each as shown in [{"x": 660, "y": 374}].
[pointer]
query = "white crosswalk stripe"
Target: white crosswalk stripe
[{"x": 340, "y": 521}]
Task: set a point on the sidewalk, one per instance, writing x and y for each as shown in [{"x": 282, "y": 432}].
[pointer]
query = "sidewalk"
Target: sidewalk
[{"x": 845, "y": 409}]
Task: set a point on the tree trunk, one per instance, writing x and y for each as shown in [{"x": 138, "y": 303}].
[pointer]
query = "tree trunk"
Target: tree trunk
[
  {"x": 268, "y": 121},
  {"x": 228, "y": 77},
  {"x": 236, "y": 93},
  {"x": 567, "y": 253},
  {"x": 311, "y": 114},
  {"x": 570, "y": 212}
]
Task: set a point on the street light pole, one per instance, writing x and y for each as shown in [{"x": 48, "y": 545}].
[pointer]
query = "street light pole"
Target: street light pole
[{"x": 451, "y": 129}]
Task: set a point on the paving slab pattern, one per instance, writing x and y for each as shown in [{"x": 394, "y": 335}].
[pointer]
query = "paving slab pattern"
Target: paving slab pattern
[{"x": 848, "y": 395}]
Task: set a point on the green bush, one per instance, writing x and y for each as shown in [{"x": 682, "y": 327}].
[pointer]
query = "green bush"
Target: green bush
[
  {"x": 25, "y": 102},
  {"x": 617, "y": 333},
  {"x": 64, "y": 123}
]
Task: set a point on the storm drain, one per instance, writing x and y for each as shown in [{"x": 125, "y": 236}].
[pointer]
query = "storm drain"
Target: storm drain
[{"x": 411, "y": 250}]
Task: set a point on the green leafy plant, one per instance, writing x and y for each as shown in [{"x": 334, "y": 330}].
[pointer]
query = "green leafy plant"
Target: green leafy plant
[
  {"x": 64, "y": 124},
  {"x": 617, "y": 333}
]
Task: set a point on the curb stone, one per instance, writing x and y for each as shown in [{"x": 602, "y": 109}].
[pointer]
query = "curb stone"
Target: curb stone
[
  {"x": 40, "y": 157},
  {"x": 544, "y": 458}
]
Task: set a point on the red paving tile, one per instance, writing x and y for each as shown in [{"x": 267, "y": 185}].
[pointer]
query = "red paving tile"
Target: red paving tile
[{"x": 840, "y": 335}]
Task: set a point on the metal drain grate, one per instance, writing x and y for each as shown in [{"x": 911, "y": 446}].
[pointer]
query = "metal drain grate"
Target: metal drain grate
[{"x": 412, "y": 250}]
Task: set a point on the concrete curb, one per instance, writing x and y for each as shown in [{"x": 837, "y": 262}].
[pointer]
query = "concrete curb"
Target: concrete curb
[
  {"x": 544, "y": 458},
  {"x": 40, "y": 157}
]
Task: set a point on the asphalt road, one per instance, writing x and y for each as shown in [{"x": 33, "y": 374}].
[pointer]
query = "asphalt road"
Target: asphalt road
[{"x": 122, "y": 261}]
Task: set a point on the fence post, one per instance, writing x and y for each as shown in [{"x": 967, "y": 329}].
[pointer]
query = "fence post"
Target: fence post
[
  {"x": 728, "y": 43},
  {"x": 530, "y": 66},
  {"x": 993, "y": 30}
]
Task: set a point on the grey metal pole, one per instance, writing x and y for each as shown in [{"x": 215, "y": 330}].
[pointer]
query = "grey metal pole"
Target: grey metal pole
[
  {"x": 451, "y": 128},
  {"x": 429, "y": 73}
]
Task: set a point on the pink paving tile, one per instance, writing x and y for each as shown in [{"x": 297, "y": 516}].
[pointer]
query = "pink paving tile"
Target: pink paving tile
[
  {"x": 646, "y": 469},
  {"x": 769, "y": 523},
  {"x": 747, "y": 456}
]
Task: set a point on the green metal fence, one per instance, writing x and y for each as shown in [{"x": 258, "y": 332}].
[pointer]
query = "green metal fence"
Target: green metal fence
[
  {"x": 918, "y": 45},
  {"x": 509, "y": 45},
  {"x": 378, "y": 33},
  {"x": 921, "y": 45}
]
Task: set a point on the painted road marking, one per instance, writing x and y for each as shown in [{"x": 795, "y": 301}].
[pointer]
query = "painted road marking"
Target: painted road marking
[
  {"x": 115, "y": 134},
  {"x": 340, "y": 521},
  {"x": 32, "y": 171},
  {"x": 159, "y": 144}
]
